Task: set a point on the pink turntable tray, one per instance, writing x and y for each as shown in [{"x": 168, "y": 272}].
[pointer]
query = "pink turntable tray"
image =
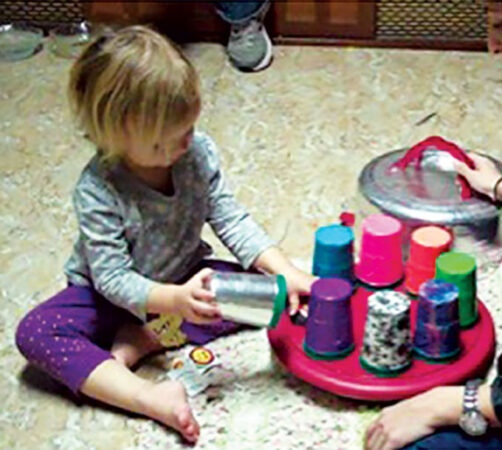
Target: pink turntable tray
[{"x": 346, "y": 377}]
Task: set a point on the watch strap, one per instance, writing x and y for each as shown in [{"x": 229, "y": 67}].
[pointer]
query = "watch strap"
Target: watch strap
[{"x": 471, "y": 396}]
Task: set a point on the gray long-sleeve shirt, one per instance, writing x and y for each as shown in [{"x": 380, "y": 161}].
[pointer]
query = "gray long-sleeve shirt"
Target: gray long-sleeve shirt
[{"x": 131, "y": 235}]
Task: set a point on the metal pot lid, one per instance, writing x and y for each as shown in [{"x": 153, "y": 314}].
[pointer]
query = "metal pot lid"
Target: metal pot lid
[{"x": 428, "y": 193}]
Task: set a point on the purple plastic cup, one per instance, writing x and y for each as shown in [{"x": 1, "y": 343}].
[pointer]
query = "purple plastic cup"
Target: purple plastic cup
[
  {"x": 329, "y": 324},
  {"x": 437, "y": 332}
]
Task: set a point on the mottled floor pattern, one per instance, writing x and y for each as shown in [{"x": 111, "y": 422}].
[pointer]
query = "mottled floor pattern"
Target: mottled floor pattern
[{"x": 293, "y": 140}]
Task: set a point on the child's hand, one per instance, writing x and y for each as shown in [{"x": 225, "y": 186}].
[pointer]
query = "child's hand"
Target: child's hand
[
  {"x": 272, "y": 260},
  {"x": 194, "y": 302},
  {"x": 299, "y": 283},
  {"x": 483, "y": 177}
]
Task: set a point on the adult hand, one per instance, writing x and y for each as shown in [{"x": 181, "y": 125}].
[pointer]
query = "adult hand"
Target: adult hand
[{"x": 484, "y": 175}]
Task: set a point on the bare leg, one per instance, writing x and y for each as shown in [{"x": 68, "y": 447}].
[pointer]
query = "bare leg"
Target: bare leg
[
  {"x": 132, "y": 342},
  {"x": 113, "y": 383}
]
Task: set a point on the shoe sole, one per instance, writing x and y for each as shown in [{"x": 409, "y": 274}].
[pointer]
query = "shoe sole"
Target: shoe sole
[{"x": 269, "y": 55}]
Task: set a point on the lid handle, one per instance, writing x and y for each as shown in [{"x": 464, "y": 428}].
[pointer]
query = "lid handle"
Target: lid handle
[{"x": 415, "y": 154}]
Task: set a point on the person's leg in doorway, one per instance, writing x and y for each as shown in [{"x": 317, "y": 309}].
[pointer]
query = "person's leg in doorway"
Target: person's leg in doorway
[{"x": 249, "y": 47}]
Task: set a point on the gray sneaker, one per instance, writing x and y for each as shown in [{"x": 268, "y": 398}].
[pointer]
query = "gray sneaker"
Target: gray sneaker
[{"x": 249, "y": 47}]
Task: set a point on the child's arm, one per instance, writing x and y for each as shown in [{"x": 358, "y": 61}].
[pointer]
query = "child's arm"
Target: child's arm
[
  {"x": 299, "y": 283},
  {"x": 106, "y": 250},
  {"x": 242, "y": 236}
]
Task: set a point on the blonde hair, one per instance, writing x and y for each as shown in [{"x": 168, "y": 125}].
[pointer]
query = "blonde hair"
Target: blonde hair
[{"x": 132, "y": 83}]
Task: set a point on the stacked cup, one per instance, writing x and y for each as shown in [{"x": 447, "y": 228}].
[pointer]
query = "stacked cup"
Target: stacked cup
[
  {"x": 381, "y": 259},
  {"x": 427, "y": 243},
  {"x": 333, "y": 252},
  {"x": 460, "y": 269},
  {"x": 387, "y": 343},
  {"x": 329, "y": 323},
  {"x": 437, "y": 327}
]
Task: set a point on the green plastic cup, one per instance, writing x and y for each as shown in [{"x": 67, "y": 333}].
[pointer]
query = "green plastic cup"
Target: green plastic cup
[{"x": 460, "y": 269}]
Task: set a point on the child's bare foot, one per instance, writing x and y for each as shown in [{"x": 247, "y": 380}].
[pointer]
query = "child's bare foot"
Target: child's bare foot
[
  {"x": 167, "y": 403},
  {"x": 132, "y": 342}
]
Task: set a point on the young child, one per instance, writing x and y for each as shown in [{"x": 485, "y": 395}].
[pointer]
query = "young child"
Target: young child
[{"x": 141, "y": 203}]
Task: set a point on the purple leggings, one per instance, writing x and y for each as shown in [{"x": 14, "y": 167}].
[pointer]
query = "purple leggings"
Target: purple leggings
[{"x": 70, "y": 334}]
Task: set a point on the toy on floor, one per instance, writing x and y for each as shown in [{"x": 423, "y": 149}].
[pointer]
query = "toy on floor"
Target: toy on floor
[
  {"x": 460, "y": 269},
  {"x": 329, "y": 324},
  {"x": 427, "y": 243},
  {"x": 333, "y": 252},
  {"x": 346, "y": 377},
  {"x": 167, "y": 328},
  {"x": 248, "y": 298},
  {"x": 194, "y": 369},
  {"x": 412, "y": 188},
  {"x": 385, "y": 326},
  {"x": 380, "y": 259},
  {"x": 437, "y": 330},
  {"x": 420, "y": 186},
  {"x": 387, "y": 338},
  {"x": 387, "y": 346}
]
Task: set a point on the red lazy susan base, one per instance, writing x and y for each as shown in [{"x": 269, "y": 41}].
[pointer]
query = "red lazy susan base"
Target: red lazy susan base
[{"x": 347, "y": 378}]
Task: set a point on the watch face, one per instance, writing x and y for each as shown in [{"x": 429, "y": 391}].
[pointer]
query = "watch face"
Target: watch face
[{"x": 473, "y": 423}]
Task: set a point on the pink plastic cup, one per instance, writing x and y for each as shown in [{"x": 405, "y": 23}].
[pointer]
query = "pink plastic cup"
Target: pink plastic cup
[
  {"x": 381, "y": 257},
  {"x": 427, "y": 243}
]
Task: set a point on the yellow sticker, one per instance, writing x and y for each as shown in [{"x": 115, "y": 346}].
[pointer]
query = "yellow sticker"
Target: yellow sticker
[{"x": 201, "y": 355}]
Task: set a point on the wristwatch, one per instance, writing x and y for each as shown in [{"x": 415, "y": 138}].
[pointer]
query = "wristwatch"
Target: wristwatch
[{"x": 471, "y": 420}]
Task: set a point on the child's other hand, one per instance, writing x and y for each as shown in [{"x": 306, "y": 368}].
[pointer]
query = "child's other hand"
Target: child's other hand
[
  {"x": 299, "y": 283},
  {"x": 196, "y": 303},
  {"x": 483, "y": 177}
]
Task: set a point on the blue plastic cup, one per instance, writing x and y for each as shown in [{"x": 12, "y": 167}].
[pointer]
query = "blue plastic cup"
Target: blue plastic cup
[
  {"x": 437, "y": 328},
  {"x": 334, "y": 252}
]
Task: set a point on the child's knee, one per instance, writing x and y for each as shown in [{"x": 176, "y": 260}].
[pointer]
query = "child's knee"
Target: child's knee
[
  {"x": 33, "y": 332},
  {"x": 25, "y": 334}
]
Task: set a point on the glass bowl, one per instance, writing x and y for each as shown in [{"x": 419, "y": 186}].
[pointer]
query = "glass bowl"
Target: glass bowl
[
  {"x": 69, "y": 40},
  {"x": 19, "y": 41}
]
